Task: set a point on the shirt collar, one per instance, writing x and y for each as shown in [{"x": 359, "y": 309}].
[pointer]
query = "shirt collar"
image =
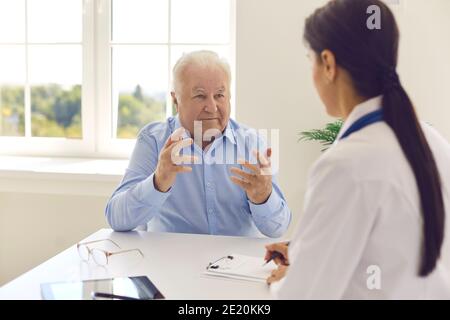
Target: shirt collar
[
  {"x": 359, "y": 111},
  {"x": 228, "y": 132},
  {"x": 177, "y": 125}
]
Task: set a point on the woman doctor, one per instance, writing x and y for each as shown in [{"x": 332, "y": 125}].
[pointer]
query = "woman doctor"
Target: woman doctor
[{"x": 374, "y": 221}]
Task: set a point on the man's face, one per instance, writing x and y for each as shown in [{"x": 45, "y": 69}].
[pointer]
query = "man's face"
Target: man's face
[{"x": 204, "y": 96}]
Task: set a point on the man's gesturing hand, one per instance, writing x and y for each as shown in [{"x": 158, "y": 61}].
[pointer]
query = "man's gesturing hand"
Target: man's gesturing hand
[
  {"x": 258, "y": 183},
  {"x": 170, "y": 160}
]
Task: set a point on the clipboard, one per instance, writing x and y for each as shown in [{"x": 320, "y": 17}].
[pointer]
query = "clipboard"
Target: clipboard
[{"x": 241, "y": 267}]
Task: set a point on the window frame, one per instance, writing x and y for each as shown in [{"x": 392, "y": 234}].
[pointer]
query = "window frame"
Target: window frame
[
  {"x": 59, "y": 146},
  {"x": 96, "y": 106}
]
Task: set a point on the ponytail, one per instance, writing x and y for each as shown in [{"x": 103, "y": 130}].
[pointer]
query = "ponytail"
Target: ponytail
[{"x": 399, "y": 114}]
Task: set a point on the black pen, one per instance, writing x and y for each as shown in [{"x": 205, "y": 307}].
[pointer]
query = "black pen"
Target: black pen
[
  {"x": 274, "y": 255},
  {"x": 110, "y": 295}
]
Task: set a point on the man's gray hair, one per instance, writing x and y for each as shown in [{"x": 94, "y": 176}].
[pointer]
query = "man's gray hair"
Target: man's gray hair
[{"x": 202, "y": 58}]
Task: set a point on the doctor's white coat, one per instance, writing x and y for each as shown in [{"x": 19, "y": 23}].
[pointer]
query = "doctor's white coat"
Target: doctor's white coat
[{"x": 361, "y": 234}]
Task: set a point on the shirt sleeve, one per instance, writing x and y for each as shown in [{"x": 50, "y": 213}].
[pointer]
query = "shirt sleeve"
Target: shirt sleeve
[
  {"x": 136, "y": 201},
  {"x": 332, "y": 234},
  {"x": 272, "y": 217}
]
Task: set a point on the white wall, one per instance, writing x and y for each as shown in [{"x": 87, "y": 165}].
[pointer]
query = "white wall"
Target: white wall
[
  {"x": 35, "y": 227},
  {"x": 274, "y": 91},
  {"x": 424, "y": 59}
]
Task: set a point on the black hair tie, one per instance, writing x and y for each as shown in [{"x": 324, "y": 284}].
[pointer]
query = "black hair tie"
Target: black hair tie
[{"x": 391, "y": 79}]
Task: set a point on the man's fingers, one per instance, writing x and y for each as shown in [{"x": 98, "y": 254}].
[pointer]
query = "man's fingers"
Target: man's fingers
[
  {"x": 252, "y": 167},
  {"x": 182, "y": 169},
  {"x": 176, "y": 148},
  {"x": 264, "y": 166},
  {"x": 184, "y": 160},
  {"x": 247, "y": 176},
  {"x": 243, "y": 184},
  {"x": 175, "y": 136},
  {"x": 262, "y": 160}
]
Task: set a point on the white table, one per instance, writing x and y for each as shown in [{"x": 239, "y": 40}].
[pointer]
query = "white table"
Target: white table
[{"x": 174, "y": 262}]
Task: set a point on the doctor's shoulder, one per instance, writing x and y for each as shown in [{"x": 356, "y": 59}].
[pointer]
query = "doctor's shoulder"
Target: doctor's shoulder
[{"x": 363, "y": 155}]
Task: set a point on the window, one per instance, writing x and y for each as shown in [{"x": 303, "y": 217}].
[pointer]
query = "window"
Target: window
[
  {"x": 40, "y": 90},
  {"x": 40, "y": 77},
  {"x": 82, "y": 77}
]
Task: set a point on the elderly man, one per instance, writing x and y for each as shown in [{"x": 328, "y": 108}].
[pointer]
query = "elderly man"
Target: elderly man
[{"x": 163, "y": 192}]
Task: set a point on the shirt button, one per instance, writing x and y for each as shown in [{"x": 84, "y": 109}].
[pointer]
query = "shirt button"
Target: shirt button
[
  {"x": 210, "y": 210},
  {"x": 209, "y": 184}
]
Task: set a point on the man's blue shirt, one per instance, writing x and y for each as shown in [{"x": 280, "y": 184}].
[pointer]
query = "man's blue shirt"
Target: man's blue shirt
[{"x": 203, "y": 201}]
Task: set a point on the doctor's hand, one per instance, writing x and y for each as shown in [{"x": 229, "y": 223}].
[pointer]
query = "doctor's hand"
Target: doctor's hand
[
  {"x": 258, "y": 183},
  {"x": 170, "y": 160},
  {"x": 280, "y": 251},
  {"x": 277, "y": 274}
]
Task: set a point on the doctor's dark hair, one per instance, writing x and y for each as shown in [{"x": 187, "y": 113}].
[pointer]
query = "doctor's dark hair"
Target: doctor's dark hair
[{"x": 370, "y": 57}]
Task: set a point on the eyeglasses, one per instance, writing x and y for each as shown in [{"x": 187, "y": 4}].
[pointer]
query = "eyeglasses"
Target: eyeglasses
[
  {"x": 99, "y": 256},
  {"x": 225, "y": 263}
]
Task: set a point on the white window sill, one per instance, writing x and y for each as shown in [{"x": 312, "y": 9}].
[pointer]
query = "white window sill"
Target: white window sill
[
  {"x": 73, "y": 168},
  {"x": 60, "y": 175}
]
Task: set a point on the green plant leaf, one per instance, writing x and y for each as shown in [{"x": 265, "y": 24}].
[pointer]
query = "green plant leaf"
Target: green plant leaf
[{"x": 325, "y": 136}]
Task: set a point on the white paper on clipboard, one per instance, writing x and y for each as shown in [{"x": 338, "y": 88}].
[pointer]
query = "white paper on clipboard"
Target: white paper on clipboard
[{"x": 241, "y": 267}]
